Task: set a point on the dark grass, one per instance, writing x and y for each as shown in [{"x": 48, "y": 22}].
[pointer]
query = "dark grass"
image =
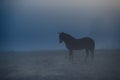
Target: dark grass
[{"x": 55, "y": 65}]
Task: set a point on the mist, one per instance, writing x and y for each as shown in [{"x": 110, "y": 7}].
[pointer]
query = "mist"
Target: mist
[{"x": 35, "y": 24}]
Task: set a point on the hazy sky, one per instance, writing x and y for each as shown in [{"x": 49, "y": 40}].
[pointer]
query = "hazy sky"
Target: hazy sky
[{"x": 35, "y": 24}]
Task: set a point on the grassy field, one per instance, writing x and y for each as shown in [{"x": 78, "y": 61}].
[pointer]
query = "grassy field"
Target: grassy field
[{"x": 55, "y": 65}]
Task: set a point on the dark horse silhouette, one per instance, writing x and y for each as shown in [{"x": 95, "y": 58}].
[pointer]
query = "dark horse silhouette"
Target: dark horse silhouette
[{"x": 77, "y": 44}]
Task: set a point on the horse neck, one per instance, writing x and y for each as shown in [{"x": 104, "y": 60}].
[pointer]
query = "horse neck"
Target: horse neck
[
  {"x": 69, "y": 36},
  {"x": 68, "y": 39}
]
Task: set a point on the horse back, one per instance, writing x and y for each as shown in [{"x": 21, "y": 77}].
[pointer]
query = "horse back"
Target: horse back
[{"x": 83, "y": 43}]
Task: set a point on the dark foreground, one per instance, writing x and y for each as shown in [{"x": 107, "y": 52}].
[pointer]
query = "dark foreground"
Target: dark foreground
[{"x": 54, "y": 65}]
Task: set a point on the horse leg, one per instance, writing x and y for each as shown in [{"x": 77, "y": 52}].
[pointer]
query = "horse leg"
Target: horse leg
[
  {"x": 70, "y": 54},
  {"x": 87, "y": 53},
  {"x": 92, "y": 53}
]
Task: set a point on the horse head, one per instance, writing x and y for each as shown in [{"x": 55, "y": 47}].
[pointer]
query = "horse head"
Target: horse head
[{"x": 61, "y": 37}]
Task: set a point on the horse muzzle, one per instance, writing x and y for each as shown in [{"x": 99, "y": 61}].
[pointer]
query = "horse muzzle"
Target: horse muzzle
[{"x": 60, "y": 41}]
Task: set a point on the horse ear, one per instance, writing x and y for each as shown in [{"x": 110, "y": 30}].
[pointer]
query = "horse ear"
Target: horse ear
[{"x": 62, "y": 32}]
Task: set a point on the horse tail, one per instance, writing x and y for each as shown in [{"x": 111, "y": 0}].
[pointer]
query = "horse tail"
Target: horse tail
[{"x": 92, "y": 50}]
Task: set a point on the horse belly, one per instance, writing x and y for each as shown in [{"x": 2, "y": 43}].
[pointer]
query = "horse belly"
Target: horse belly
[
  {"x": 76, "y": 47},
  {"x": 79, "y": 46}
]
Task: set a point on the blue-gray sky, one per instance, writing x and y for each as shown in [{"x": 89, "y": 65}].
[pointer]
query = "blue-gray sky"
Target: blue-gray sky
[{"x": 35, "y": 24}]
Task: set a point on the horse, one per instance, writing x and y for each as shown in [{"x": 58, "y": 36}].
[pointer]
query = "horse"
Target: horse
[{"x": 72, "y": 43}]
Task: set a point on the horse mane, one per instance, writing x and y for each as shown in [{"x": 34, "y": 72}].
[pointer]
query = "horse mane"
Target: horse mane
[{"x": 68, "y": 35}]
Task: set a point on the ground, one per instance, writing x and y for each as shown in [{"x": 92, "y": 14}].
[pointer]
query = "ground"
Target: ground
[{"x": 55, "y": 65}]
